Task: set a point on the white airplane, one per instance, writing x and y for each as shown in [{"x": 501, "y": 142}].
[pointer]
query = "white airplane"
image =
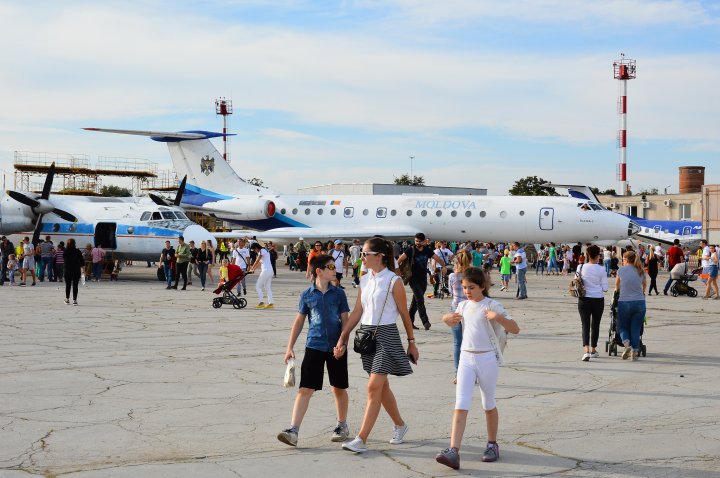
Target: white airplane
[
  {"x": 132, "y": 228},
  {"x": 214, "y": 188}
]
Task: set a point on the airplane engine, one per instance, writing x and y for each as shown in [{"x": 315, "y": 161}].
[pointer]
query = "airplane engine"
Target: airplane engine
[
  {"x": 244, "y": 209},
  {"x": 15, "y": 217}
]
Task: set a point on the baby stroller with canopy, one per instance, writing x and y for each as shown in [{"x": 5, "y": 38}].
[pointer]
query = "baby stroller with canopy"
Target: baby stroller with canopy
[
  {"x": 235, "y": 275},
  {"x": 682, "y": 277},
  {"x": 614, "y": 341}
]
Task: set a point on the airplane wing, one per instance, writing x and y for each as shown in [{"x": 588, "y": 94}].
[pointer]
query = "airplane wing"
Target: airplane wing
[{"x": 293, "y": 233}]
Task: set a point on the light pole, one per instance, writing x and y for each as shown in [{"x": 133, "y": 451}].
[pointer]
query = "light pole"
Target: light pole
[{"x": 411, "y": 171}]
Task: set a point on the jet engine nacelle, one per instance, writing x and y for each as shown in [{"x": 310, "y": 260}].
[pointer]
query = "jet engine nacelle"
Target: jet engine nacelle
[{"x": 245, "y": 209}]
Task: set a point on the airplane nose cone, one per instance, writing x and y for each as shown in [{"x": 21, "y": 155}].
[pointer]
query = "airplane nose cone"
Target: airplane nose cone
[
  {"x": 633, "y": 228},
  {"x": 197, "y": 234}
]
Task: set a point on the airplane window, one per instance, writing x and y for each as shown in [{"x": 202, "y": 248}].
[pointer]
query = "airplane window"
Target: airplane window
[
  {"x": 294, "y": 211},
  {"x": 453, "y": 213},
  {"x": 393, "y": 212},
  {"x": 307, "y": 211},
  {"x": 145, "y": 216},
  {"x": 73, "y": 227},
  {"x": 56, "y": 227},
  {"x": 423, "y": 213},
  {"x": 677, "y": 231},
  {"x": 131, "y": 230},
  {"x": 320, "y": 211},
  {"x": 156, "y": 216},
  {"x": 409, "y": 212},
  {"x": 348, "y": 212},
  {"x": 503, "y": 214},
  {"x": 467, "y": 213},
  {"x": 438, "y": 213},
  {"x": 168, "y": 215},
  {"x": 596, "y": 207},
  {"x": 282, "y": 211},
  {"x": 381, "y": 212},
  {"x": 333, "y": 211},
  {"x": 365, "y": 212},
  {"x": 522, "y": 213},
  {"x": 546, "y": 213},
  {"x": 180, "y": 215},
  {"x": 483, "y": 214}
]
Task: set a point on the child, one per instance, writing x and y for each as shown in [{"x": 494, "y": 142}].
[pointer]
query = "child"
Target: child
[
  {"x": 326, "y": 308},
  {"x": 12, "y": 266},
  {"x": 480, "y": 358},
  {"x": 223, "y": 272},
  {"x": 505, "y": 270}
]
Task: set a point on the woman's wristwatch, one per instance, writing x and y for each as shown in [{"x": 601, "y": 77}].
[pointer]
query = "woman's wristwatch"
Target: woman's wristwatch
[{"x": 411, "y": 341}]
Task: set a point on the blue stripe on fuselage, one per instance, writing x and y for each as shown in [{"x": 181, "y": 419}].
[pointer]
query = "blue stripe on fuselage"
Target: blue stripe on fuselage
[
  {"x": 667, "y": 226},
  {"x": 278, "y": 220},
  {"x": 79, "y": 228},
  {"x": 198, "y": 196}
]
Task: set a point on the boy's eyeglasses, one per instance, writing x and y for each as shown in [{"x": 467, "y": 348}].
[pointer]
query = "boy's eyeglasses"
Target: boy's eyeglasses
[
  {"x": 368, "y": 253},
  {"x": 329, "y": 266}
]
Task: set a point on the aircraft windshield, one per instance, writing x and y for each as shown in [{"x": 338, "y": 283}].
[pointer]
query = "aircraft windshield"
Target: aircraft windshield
[{"x": 168, "y": 215}]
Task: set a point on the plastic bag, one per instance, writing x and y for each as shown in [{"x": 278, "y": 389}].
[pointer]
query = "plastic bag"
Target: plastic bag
[{"x": 289, "y": 380}]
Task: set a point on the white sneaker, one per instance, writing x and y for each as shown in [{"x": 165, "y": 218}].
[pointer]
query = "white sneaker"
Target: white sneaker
[
  {"x": 586, "y": 357},
  {"x": 399, "y": 434},
  {"x": 594, "y": 354},
  {"x": 356, "y": 445},
  {"x": 67, "y": 301}
]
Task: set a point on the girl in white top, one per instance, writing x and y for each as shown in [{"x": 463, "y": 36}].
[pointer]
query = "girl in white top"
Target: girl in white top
[
  {"x": 479, "y": 360},
  {"x": 380, "y": 301},
  {"x": 592, "y": 305},
  {"x": 266, "y": 275}
]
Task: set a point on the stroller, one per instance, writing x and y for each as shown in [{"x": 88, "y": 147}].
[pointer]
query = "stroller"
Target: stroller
[
  {"x": 235, "y": 275},
  {"x": 614, "y": 341},
  {"x": 681, "y": 286}
]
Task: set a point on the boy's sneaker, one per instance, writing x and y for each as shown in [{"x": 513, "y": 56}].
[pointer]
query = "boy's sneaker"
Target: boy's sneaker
[
  {"x": 594, "y": 354},
  {"x": 586, "y": 357},
  {"x": 288, "y": 436},
  {"x": 341, "y": 433},
  {"x": 398, "y": 434},
  {"x": 449, "y": 457},
  {"x": 492, "y": 452},
  {"x": 356, "y": 445}
]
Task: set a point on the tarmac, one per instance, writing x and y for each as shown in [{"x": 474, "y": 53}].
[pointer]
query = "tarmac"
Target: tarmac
[{"x": 141, "y": 381}]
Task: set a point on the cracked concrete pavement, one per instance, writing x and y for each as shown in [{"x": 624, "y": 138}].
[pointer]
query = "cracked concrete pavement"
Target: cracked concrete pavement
[{"x": 141, "y": 381}]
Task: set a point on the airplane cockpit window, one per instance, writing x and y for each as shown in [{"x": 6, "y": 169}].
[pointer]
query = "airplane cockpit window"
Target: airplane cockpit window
[
  {"x": 584, "y": 206},
  {"x": 595, "y": 207},
  {"x": 156, "y": 216},
  {"x": 145, "y": 216},
  {"x": 168, "y": 215},
  {"x": 181, "y": 215}
]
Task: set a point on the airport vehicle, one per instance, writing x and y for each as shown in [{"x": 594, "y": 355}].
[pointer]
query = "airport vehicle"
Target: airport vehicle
[
  {"x": 215, "y": 189},
  {"x": 133, "y": 228},
  {"x": 235, "y": 275}
]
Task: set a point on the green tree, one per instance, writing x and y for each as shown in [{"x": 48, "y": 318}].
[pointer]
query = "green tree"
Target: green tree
[
  {"x": 532, "y": 186},
  {"x": 257, "y": 182},
  {"x": 115, "y": 191},
  {"x": 607, "y": 191},
  {"x": 648, "y": 192},
  {"x": 405, "y": 180}
]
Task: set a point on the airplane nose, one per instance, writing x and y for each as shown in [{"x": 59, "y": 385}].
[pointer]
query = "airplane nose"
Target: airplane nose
[
  {"x": 196, "y": 233},
  {"x": 633, "y": 228}
]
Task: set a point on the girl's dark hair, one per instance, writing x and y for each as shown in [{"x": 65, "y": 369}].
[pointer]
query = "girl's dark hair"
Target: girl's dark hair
[
  {"x": 477, "y": 277},
  {"x": 255, "y": 245},
  {"x": 378, "y": 244},
  {"x": 593, "y": 251}
]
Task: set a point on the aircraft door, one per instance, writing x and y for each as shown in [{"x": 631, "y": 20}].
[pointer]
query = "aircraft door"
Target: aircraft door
[
  {"x": 546, "y": 218},
  {"x": 105, "y": 235}
]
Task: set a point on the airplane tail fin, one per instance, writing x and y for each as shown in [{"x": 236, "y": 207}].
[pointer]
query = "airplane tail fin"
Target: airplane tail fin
[
  {"x": 209, "y": 177},
  {"x": 577, "y": 191}
]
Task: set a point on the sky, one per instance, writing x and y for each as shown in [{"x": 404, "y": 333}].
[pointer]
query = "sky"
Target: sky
[{"x": 480, "y": 93}]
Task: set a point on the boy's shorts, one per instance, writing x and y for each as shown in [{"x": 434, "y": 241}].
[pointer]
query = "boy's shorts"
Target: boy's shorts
[
  {"x": 312, "y": 370},
  {"x": 505, "y": 277}
]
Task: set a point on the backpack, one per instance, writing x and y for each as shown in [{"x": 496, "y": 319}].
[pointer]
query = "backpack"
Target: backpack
[
  {"x": 406, "y": 267},
  {"x": 577, "y": 288}
]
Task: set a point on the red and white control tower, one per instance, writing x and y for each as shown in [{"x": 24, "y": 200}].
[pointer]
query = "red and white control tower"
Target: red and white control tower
[
  {"x": 224, "y": 107},
  {"x": 624, "y": 70}
]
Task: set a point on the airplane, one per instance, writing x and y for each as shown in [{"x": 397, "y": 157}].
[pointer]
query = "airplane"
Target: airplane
[
  {"x": 133, "y": 228},
  {"x": 214, "y": 188},
  {"x": 653, "y": 230}
]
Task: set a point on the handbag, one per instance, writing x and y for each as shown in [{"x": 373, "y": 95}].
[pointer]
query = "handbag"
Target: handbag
[
  {"x": 406, "y": 267},
  {"x": 577, "y": 287},
  {"x": 366, "y": 339},
  {"x": 289, "y": 379}
]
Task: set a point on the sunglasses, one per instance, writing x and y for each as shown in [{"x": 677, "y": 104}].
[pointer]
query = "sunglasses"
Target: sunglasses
[
  {"x": 329, "y": 266},
  {"x": 369, "y": 253},
  {"x": 318, "y": 245}
]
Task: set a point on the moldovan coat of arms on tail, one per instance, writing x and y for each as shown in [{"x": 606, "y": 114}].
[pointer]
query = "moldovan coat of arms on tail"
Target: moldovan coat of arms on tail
[{"x": 207, "y": 165}]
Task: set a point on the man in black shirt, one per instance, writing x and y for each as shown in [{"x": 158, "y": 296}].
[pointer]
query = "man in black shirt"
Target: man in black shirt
[
  {"x": 6, "y": 248},
  {"x": 167, "y": 257},
  {"x": 420, "y": 254}
]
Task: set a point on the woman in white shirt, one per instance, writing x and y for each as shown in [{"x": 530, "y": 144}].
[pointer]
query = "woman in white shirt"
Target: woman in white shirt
[
  {"x": 380, "y": 300},
  {"x": 266, "y": 275},
  {"x": 594, "y": 277}
]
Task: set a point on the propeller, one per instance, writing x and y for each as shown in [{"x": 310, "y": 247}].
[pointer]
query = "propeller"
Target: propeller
[
  {"x": 161, "y": 201},
  {"x": 41, "y": 205}
]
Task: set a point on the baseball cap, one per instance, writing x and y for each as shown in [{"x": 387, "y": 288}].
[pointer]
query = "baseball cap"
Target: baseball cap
[{"x": 338, "y": 241}]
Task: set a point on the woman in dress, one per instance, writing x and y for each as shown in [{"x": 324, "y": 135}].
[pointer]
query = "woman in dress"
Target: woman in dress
[{"x": 381, "y": 300}]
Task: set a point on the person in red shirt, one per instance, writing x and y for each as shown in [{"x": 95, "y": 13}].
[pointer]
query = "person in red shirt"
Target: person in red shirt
[{"x": 675, "y": 256}]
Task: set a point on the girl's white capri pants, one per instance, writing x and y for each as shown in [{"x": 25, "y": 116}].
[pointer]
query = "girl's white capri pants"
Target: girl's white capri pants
[{"x": 484, "y": 368}]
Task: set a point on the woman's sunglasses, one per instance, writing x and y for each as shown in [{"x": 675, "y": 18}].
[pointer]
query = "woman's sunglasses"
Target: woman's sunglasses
[{"x": 368, "y": 253}]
